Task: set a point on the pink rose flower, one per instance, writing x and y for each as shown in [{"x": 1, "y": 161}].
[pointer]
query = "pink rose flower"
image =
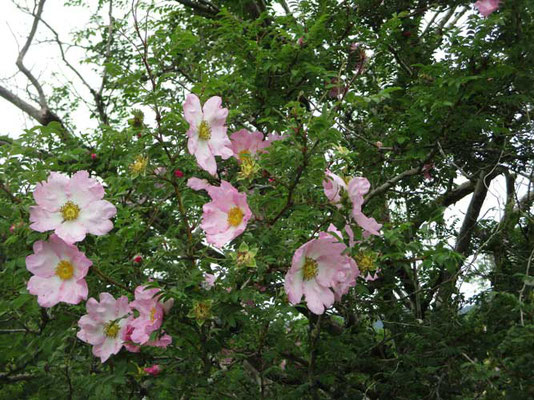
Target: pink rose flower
[
  {"x": 59, "y": 270},
  {"x": 72, "y": 207},
  {"x": 317, "y": 268},
  {"x": 207, "y": 131},
  {"x": 248, "y": 144},
  {"x": 209, "y": 281},
  {"x": 487, "y": 7},
  {"x": 151, "y": 312},
  {"x": 153, "y": 370},
  {"x": 104, "y": 324},
  {"x": 225, "y": 217},
  {"x": 138, "y": 259}
]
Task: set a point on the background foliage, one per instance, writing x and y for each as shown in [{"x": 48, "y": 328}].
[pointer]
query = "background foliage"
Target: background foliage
[{"x": 439, "y": 89}]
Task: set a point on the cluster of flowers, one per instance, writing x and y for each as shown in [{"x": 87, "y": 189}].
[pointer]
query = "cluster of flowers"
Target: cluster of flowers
[
  {"x": 225, "y": 217},
  {"x": 320, "y": 269},
  {"x": 72, "y": 208}
]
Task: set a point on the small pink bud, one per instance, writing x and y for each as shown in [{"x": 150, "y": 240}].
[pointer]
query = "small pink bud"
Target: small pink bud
[
  {"x": 178, "y": 173},
  {"x": 283, "y": 364},
  {"x": 12, "y": 228},
  {"x": 153, "y": 370},
  {"x": 300, "y": 41},
  {"x": 228, "y": 289},
  {"x": 271, "y": 180},
  {"x": 138, "y": 259},
  {"x": 139, "y": 135},
  {"x": 93, "y": 156}
]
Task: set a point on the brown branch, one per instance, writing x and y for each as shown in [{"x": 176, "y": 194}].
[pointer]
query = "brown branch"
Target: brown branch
[{"x": 201, "y": 9}]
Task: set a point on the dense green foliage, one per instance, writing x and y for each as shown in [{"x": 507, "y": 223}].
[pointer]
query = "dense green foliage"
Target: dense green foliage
[{"x": 437, "y": 85}]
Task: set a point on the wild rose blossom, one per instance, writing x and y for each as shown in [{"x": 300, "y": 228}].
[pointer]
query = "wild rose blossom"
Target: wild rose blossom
[
  {"x": 104, "y": 324},
  {"x": 225, "y": 217},
  {"x": 72, "y": 207},
  {"x": 319, "y": 267},
  {"x": 249, "y": 144},
  {"x": 151, "y": 312},
  {"x": 207, "y": 131},
  {"x": 59, "y": 270},
  {"x": 487, "y": 7}
]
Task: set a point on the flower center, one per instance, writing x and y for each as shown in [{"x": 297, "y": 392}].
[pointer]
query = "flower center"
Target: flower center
[
  {"x": 244, "y": 154},
  {"x": 366, "y": 262},
  {"x": 69, "y": 211},
  {"x": 309, "y": 269},
  {"x": 235, "y": 216},
  {"x": 152, "y": 314},
  {"x": 139, "y": 165},
  {"x": 204, "y": 131},
  {"x": 111, "y": 329},
  {"x": 64, "y": 270},
  {"x": 202, "y": 310}
]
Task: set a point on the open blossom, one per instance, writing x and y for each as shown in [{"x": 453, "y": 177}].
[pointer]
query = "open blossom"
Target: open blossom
[
  {"x": 319, "y": 267},
  {"x": 207, "y": 131},
  {"x": 225, "y": 217},
  {"x": 151, "y": 313},
  {"x": 248, "y": 144},
  {"x": 487, "y": 7},
  {"x": 59, "y": 270},
  {"x": 72, "y": 207},
  {"x": 104, "y": 324}
]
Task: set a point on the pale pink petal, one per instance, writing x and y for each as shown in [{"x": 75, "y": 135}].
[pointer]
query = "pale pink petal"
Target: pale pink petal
[
  {"x": 52, "y": 194},
  {"x": 84, "y": 190},
  {"x": 96, "y": 217},
  {"x": 192, "y": 109},
  {"x": 198, "y": 184},
  {"x": 71, "y": 231},
  {"x": 46, "y": 289},
  {"x": 44, "y": 260},
  {"x": 72, "y": 292},
  {"x": 214, "y": 114},
  {"x": 369, "y": 224},
  {"x": 108, "y": 347},
  {"x": 219, "y": 143},
  {"x": 205, "y": 158},
  {"x": 43, "y": 220}
]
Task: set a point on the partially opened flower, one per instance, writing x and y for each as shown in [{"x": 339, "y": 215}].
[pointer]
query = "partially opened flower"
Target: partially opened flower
[
  {"x": 333, "y": 186},
  {"x": 59, "y": 270},
  {"x": 104, "y": 324},
  {"x": 209, "y": 281},
  {"x": 487, "y": 7},
  {"x": 225, "y": 217},
  {"x": 207, "y": 131},
  {"x": 153, "y": 370},
  {"x": 315, "y": 271},
  {"x": 367, "y": 265},
  {"x": 246, "y": 144},
  {"x": 72, "y": 207},
  {"x": 151, "y": 312},
  {"x": 357, "y": 188}
]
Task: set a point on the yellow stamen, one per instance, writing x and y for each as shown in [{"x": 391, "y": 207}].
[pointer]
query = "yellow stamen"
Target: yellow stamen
[
  {"x": 202, "y": 310},
  {"x": 64, "y": 270},
  {"x": 139, "y": 165},
  {"x": 366, "y": 262},
  {"x": 309, "y": 269},
  {"x": 152, "y": 314},
  {"x": 111, "y": 329},
  {"x": 244, "y": 154},
  {"x": 204, "y": 131},
  {"x": 69, "y": 211},
  {"x": 235, "y": 216}
]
